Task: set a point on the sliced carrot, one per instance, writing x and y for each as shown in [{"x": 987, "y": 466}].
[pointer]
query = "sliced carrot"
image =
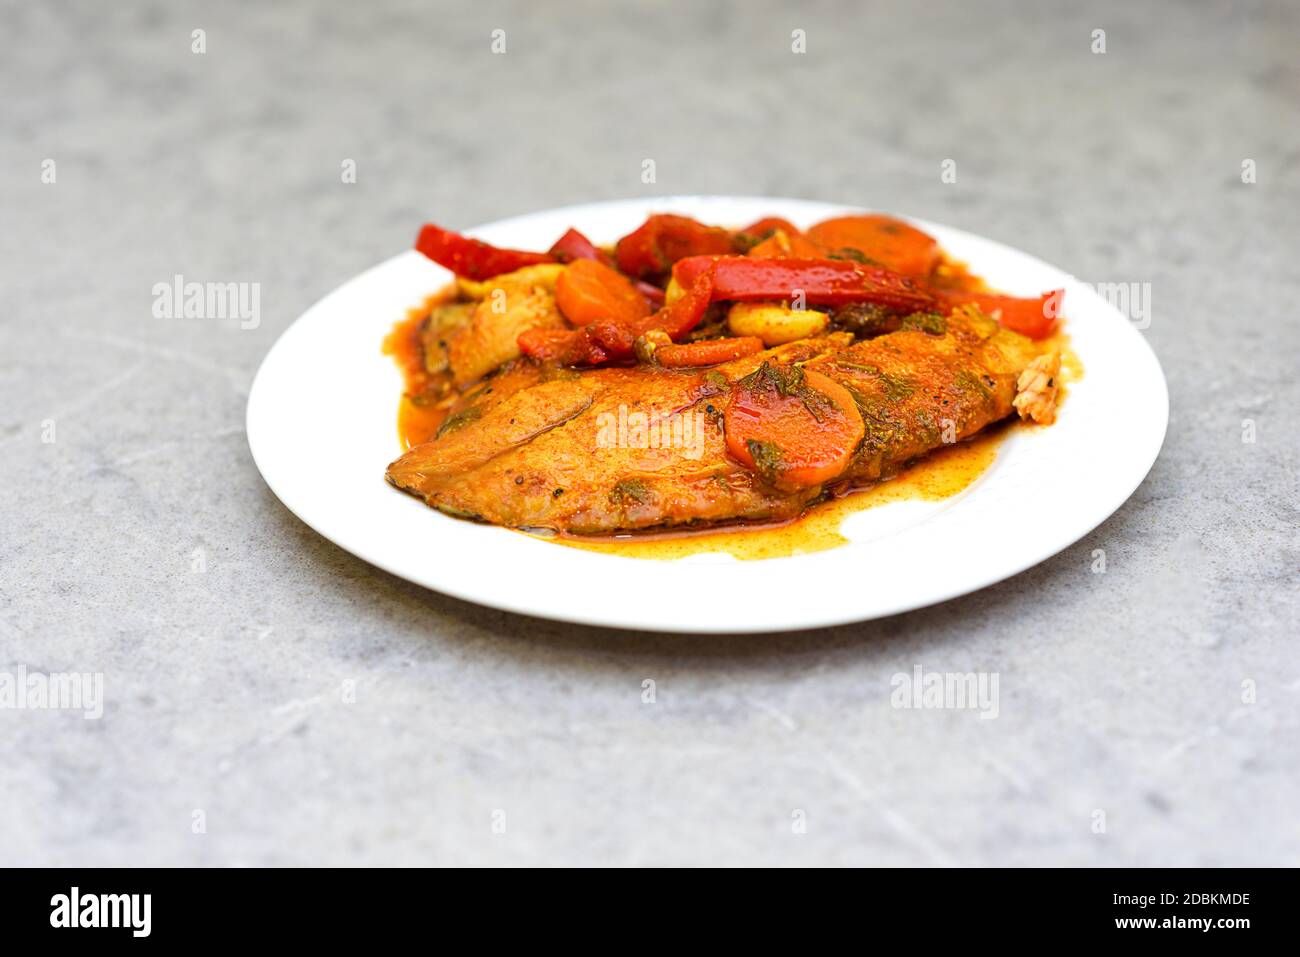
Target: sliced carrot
[
  {"x": 795, "y": 427},
  {"x": 707, "y": 352},
  {"x": 588, "y": 290},
  {"x": 882, "y": 240}
]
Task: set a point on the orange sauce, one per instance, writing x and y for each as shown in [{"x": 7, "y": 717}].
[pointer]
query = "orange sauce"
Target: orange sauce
[
  {"x": 941, "y": 474},
  {"x": 417, "y": 420}
]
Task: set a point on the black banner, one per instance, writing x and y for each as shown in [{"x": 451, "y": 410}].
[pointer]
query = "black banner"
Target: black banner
[{"x": 134, "y": 907}]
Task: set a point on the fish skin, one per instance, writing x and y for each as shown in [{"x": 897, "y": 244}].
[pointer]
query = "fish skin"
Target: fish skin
[{"x": 550, "y": 469}]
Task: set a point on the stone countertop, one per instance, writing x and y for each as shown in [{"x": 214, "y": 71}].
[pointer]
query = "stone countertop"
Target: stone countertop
[{"x": 270, "y": 699}]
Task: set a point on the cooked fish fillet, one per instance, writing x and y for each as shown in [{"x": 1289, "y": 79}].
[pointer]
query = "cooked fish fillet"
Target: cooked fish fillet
[{"x": 614, "y": 449}]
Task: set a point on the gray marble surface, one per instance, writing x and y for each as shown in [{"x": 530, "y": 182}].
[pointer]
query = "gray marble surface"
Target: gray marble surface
[{"x": 142, "y": 544}]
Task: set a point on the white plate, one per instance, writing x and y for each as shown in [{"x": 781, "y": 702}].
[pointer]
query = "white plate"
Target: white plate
[{"x": 322, "y": 428}]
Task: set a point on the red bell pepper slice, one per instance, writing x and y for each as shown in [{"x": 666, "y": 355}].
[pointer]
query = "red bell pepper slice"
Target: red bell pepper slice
[
  {"x": 591, "y": 345},
  {"x": 573, "y": 245},
  {"x": 570, "y": 347},
  {"x": 1035, "y": 318},
  {"x": 826, "y": 282},
  {"x": 661, "y": 240},
  {"x": 472, "y": 258},
  {"x": 653, "y": 294},
  {"x": 684, "y": 314}
]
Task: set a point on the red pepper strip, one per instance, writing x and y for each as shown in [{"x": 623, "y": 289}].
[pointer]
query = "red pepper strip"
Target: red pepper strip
[
  {"x": 568, "y": 347},
  {"x": 1034, "y": 318},
  {"x": 573, "y": 245},
  {"x": 663, "y": 239},
  {"x": 683, "y": 314},
  {"x": 653, "y": 293},
  {"x": 606, "y": 341},
  {"x": 823, "y": 282},
  {"x": 707, "y": 352},
  {"x": 591, "y": 345},
  {"x": 470, "y": 257}
]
